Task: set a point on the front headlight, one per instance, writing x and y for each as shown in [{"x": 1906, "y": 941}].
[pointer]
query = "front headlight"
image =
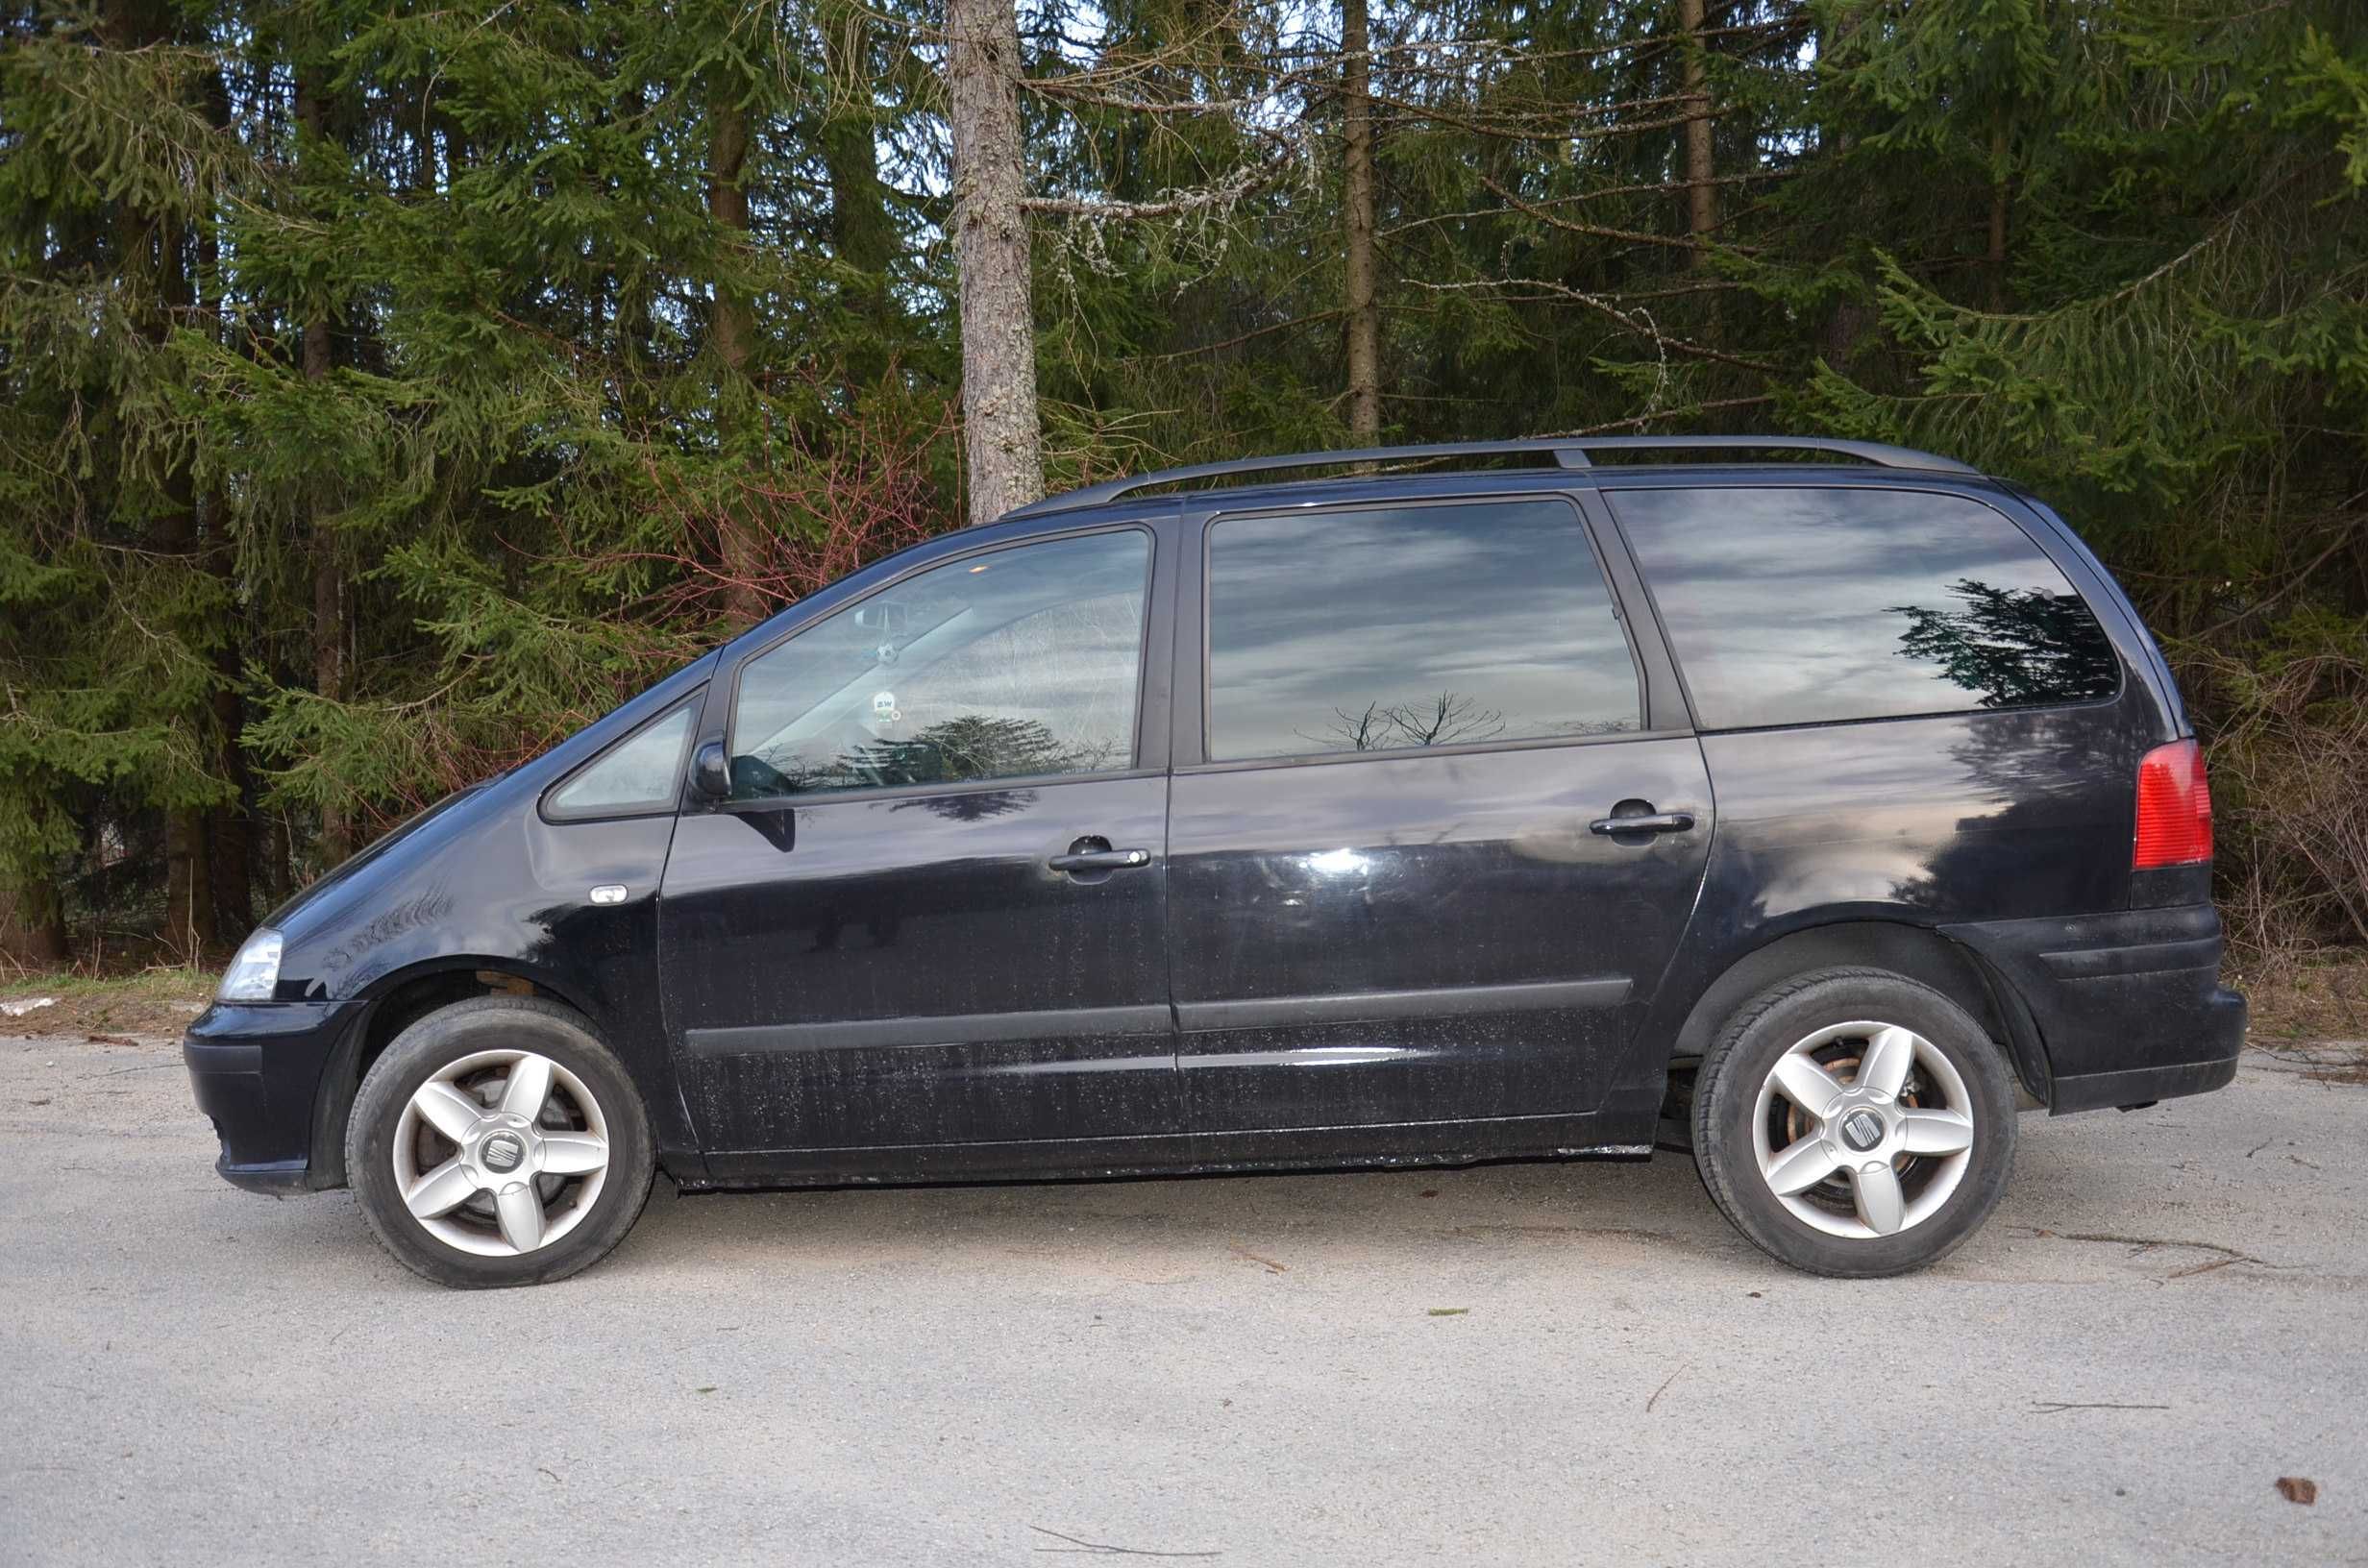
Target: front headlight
[{"x": 255, "y": 974}]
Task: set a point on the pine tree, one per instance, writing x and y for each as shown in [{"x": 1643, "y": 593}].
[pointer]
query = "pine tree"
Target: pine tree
[{"x": 384, "y": 391}]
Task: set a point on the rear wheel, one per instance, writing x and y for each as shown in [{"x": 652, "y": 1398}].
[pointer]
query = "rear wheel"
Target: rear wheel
[
  {"x": 499, "y": 1143},
  {"x": 1854, "y": 1122}
]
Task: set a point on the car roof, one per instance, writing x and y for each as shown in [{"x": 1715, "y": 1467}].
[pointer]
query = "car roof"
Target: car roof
[{"x": 1572, "y": 460}]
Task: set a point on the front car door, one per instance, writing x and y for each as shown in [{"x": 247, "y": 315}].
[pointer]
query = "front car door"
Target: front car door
[
  {"x": 933, "y": 910},
  {"x": 1397, "y": 891}
]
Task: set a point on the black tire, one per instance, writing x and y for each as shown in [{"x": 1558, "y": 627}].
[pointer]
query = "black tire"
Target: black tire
[
  {"x": 445, "y": 1036},
  {"x": 1726, "y": 1102}
]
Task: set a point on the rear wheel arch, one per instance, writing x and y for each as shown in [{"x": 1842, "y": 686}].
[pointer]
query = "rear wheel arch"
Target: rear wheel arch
[
  {"x": 1917, "y": 952},
  {"x": 393, "y": 1004}
]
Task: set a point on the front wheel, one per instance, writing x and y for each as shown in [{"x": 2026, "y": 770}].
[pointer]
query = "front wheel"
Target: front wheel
[
  {"x": 499, "y": 1143},
  {"x": 1854, "y": 1122}
]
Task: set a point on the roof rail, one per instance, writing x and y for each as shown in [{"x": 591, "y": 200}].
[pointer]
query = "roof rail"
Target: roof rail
[{"x": 1567, "y": 452}]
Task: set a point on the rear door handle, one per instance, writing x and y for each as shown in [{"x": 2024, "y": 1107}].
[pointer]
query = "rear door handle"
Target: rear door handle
[
  {"x": 1101, "y": 860},
  {"x": 1662, "y": 821}
]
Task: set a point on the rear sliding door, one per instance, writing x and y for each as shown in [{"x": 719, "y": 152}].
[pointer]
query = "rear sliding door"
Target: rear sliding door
[{"x": 1398, "y": 888}]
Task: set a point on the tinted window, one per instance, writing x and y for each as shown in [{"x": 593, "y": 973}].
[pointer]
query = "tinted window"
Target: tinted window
[
  {"x": 639, "y": 772},
  {"x": 1411, "y": 626},
  {"x": 1794, "y": 605},
  {"x": 1019, "y": 663}
]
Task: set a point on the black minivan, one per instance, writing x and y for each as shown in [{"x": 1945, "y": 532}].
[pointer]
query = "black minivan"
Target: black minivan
[{"x": 1505, "y": 801}]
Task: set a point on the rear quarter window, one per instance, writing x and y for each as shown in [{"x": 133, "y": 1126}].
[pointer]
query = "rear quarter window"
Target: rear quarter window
[{"x": 1796, "y": 604}]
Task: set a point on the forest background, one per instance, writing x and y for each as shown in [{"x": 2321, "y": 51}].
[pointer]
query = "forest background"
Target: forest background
[{"x": 388, "y": 388}]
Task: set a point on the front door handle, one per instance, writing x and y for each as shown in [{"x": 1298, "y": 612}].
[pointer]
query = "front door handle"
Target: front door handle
[
  {"x": 1660, "y": 821},
  {"x": 1099, "y": 860}
]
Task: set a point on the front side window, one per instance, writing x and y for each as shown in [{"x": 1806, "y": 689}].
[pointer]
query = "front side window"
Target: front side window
[
  {"x": 1018, "y": 663},
  {"x": 1801, "y": 605},
  {"x": 641, "y": 773},
  {"x": 1411, "y": 626}
]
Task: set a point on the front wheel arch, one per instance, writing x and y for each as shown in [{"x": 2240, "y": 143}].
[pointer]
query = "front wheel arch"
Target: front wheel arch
[
  {"x": 390, "y": 1005},
  {"x": 603, "y": 1133}
]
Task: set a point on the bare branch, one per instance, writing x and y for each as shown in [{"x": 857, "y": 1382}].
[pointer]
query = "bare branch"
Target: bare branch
[
  {"x": 1680, "y": 242},
  {"x": 1658, "y": 187},
  {"x": 1634, "y": 321},
  {"x": 1639, "y": 421}
]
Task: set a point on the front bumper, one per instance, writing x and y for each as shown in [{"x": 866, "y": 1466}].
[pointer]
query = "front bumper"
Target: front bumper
[
  {"x": 256, "y": 1069},
  {"x": 2128, "y": 1006}
]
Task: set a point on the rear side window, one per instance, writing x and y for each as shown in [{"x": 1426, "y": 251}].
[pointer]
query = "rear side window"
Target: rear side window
[
  {"x": 1798, "y": 605},
  {"x": 1411, "y": 626}
]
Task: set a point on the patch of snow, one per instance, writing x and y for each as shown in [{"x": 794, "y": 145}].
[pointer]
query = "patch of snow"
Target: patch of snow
[{"x": 18, "y": 1008}]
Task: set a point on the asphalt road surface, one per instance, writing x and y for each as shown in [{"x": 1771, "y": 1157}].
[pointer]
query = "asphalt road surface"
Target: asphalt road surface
[{"x": 1549, "y": 1364}]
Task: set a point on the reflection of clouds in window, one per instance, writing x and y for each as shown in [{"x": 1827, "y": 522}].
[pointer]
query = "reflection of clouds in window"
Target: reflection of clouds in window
[
  {"x": 1409, "y": 626},
  {"x": 1795, "y": 605},
  {"x": 1070, "y": 667},
  {"x": 1023, "y": 662}
]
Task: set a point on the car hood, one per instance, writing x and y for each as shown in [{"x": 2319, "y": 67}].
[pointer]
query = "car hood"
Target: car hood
[{"x": 331, "y": 885}]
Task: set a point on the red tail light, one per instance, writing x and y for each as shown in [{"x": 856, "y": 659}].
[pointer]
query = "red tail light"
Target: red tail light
[{"x": 2173, "y": 807}]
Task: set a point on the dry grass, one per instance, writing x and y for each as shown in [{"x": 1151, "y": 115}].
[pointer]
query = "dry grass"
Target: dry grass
[
  {"x": 153, "y": 1001},
  {"x": 2310, "y": 996}
]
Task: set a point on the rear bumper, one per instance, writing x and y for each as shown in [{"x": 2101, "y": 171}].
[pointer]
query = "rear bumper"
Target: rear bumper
[
  {"x": 2143, "y": 1085},
  {"x": 2128, "y": 1006},
  {"x": 256, "y": 1071}
]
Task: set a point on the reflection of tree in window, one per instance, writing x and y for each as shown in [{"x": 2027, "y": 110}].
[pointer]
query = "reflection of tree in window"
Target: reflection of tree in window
[
  {"x": 1410, "y": 627},
  {"x": 970, "y": 805},
  {"x": 975, "y": 746},
  {"x": 1449, "y": 718},
  {"x": 1070, "y": 666},
  {"x": 1051, "y": 691},
  {"x": 2016, "y": 646}
]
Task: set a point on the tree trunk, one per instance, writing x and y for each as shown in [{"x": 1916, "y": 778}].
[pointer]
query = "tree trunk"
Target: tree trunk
[
  {"x": 279, "y": 860},
  {"x": 230, "y": 852},
  {"x": 156, "y": 288},
  {"x": 160, "y": 248},
  {"x": 189, "y": 889},
  {"x": 31, "y": 927},
  {"x": 733, "y": 333},
  {"x": 1847, "y": 320},
  {"x": 328, "y": 629},
  {"x": 1001, "y": 439},
  {"x": 861, "y": 236},
  {"x": 1361, "y": 296},
  {"x": 231, "y": 832},
  {"x": 1701, "y": 195},
  {"x": 2000, "y": 195},
  {"x": 637, "y": 403},
  {"x": 336, "y": 840}
]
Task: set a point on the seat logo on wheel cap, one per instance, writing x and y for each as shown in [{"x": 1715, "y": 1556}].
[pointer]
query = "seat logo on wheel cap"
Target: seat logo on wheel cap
[
  {"x": 503, "y": 1151},
  {"x": 1862, "y": 1130}
]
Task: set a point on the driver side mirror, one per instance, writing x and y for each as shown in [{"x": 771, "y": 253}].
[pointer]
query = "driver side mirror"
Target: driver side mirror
[{"x": 712, "y": 771}]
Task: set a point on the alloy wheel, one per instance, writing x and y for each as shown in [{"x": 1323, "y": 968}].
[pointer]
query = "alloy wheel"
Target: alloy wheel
[
  {"x": 501, "y": 1153},
  {"x": 1864, "y": 1129}
]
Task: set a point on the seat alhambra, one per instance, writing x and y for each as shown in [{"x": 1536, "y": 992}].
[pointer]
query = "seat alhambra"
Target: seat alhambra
[{"x": 1442, "y": 804}]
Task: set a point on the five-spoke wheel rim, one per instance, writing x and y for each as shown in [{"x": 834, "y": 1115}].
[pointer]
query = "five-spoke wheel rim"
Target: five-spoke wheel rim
[
  {"x": 1863, "y": 1130},
  {"x": 501, "y": 1153}
]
